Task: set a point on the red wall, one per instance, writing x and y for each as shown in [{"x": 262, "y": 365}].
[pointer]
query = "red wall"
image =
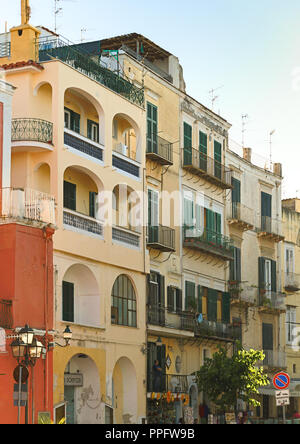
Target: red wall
[{"x": 26, "y": 264}]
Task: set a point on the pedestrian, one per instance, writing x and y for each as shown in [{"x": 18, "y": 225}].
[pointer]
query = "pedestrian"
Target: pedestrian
[{"x": 157, "y": 375}]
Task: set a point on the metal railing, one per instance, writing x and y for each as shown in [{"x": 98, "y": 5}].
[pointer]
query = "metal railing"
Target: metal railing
[
  {"x": 209, "y": 241},
  {"x": 241, "y": 213},
  {"x": 219, "y": 330},
  {"x": 242, "y": 291},
  {"x": 206, "y": 166},
  {"x": 269, "y": 225},
  {"x": 33, "y": 130},
  {"x": 49, "y": 48},
  {"x": 82, "y": 144},
  {"x": 160, "y": 149},
  {"x": 274, "y": 359},
  {"x": 5, "y": 49},
  {"x": 126, "y": 237},
  {"x": 271, "y": 300},
  {"x": 82, "y": 222},
  {"x": 292, "y": 282},
  {"x": 161, "y": 238},
  {"x": 27, "y": 205},
  {"x": 164, "y": 317},
  {"x": 6, "y": 315},
  {"x": 163, "y": 383}
]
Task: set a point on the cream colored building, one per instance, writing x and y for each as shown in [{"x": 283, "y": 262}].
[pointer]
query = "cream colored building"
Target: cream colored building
[
  {"x": 258, "y": 303},
  {"x": 291, "y": 285}
]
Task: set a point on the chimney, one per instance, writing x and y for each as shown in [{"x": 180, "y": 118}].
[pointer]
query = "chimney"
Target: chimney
[
  {"x": 277, "y": 169},
  {"x": 247, "y": 154}
]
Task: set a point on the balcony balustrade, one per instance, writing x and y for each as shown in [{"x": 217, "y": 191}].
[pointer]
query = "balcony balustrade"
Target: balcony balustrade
[
  {"x": 83, "y": 144},
  {"x": 292, "y": 282},
  {"x": 209, "y": 242},
  {"x": 49, "y": 48},
  {"x": 161, "y": 238},
  {"x": 160, "y": 150},
  {"x": 126, "y": 237},
  {"x": 163, "y": 317},
  {"x": 218, "y": 330},
  {"x": 82, "y": 222},
  {"x": 241, "y": 292},
  {"x": 274, "y": 359},
  {"x": 27, "y": 206},
  {"x": 175, "y": 384},
  {"x": 210, "y": 169},
  {"x": 270, "y": 300},
  {"x": 269, "y": 228},
  {"x": 241, "y": 216},
  {"x": 31, "y": 131}
]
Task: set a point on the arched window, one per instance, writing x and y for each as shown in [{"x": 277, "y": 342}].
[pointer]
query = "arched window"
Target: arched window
[{"x": 123, "y": 310}]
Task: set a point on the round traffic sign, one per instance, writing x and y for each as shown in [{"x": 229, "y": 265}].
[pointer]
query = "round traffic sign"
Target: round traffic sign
[
  {"x": 24, "y": 374},
  {"x": 281, "y": 381}
]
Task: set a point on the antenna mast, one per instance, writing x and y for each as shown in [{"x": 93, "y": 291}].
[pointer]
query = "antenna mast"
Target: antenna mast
[
  {"x": 213, "y": 96},
  {"x": 244, "y": 118}
]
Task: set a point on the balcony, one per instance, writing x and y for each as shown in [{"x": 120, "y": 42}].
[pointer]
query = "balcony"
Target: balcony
[
  {"x": 83, "y": 145},
  {"x": 6, "y": 315},
  {"x": 5, "y": 49},
  {"x": 125, "y": 164},
  {"x": 161, "y": 151},
  {"x": 268, "y": 228},
  {"x": 270, "y": 301},
  {"x": 161, "y": 238},
  {"x": 208, "y": 242},
  {"x": 171, "y": 324},
  {"x": 34, "y": 135},
  {"x": 274, "y": 359},
  {"x": 292, "y": 282},
  {"x": 217, "y": 331},
  {"x": 242, "y": 293},
  {"x": 240, "y": 216},
  {"x": 49, "y": 48},
  {"x": 126, "y": 237},
  {"x": 175, "y": 384},
  {"x": 26, "y": 206},
  {"x": 82, "y": 223},
  {"x": 201, "y": 165}
]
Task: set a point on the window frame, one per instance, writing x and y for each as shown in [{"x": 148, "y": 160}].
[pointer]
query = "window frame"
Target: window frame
[{"x": 121, "y": 301}]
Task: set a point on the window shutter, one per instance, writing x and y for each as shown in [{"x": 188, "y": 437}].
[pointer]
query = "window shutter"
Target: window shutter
[
  {"x": 170, "y": 299},
  {"x": 273, "y": 277},
  {"x": 212, "y": 299},
  {"x": 178, "y": 300},
  {"x": 188, "y": 143},
  {"x": 218, "y": 159},
  {"x": 200, "y": 295},
  {"x": 203, "y": 151},
  {"x": 267, "y": 336},
  {"x": 152, "y": 127},
  {"x": 75, "y": 122},
  {"x": 226, "y": 308},
  {"x": 68, "y": 302},
  {"x": 70, "y": 196},
  {"x": 261, "y": 273},
  {"x": 92, "y": 204},
  {"x": 189, "y": 295}
]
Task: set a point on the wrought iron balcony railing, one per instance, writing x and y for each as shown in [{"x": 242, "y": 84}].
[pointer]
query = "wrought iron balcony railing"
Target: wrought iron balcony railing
[
  {"x": 161, "y": 238},
  {"x": 271, "y": 300},
  {"x": 27, "y": 205},
  {"x": 268, "y": 227},
  {"x": 167, "y": 383},
  {"x": 274, "y": 359},
  {"x": 160, "y": 150},
  {"x": 292, "y": 282},
  {"x": 126, "y": 164},
  {"x": 212, "y": 329},
  {"x": 5, "y": 49},
  {"x": 31, "y": 130},
  {"x": 239, "y": 214},
  {"x": 6, "y": 315},
  {"x": 126, "y": 236},
  {"x": 164, "y": 317},
  {"x": 82, "y": 222},
  {"x": 83, "y": 144},
  {"x": 202, "y": 165},
  {"x": 242, "y": 292},
  {"x": 208, "y": 241},
  {"x": 49, "y": 48}
]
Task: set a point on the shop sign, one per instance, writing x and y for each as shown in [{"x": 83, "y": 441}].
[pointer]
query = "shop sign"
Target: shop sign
[{"x": 73, "y": 380}]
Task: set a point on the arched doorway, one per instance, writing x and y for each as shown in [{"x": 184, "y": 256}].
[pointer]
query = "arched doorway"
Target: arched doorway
[
  {"x": 124, "y": 392},
  {"x": 82, "y": 391}
]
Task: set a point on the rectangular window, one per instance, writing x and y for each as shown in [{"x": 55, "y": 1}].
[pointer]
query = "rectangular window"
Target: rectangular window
[
  {"x": 203, "y": 151},
  {"x": 152, "y": 128},
  {"x": 93, "y": 204},
  {"x": 236, "y": 267},
  {"x": 190, "y": 296},
  {"x": 212, "y": 301},
  {"x": 68, "y": 302},
  {"x": 153, "y": 208},
  {"x": 93, "y": 130},
  {"x": 218, "y": 159},
  {"x": 72, "y": 120},
  {"x": 266, "y": 212},
  {"x": 236, "y": 198},
  {"x": 69, "y": 195},
  {"x": 188, "y": 144},
  {"x": 291, "y": 326},
  {"x": 226, "y": 308}
]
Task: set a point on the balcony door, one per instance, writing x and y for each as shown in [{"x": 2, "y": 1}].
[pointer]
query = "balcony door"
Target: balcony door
[
  {"x": 152, "y": 128},
  {"x": 266, "y": 212},
  {"x": 156, "y": 353}
]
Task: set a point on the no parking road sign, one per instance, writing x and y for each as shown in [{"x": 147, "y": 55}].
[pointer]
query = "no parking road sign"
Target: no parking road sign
[{"x": 281, "y": 381}]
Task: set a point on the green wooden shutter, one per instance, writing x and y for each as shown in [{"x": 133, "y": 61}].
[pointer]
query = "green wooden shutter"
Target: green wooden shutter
[
  {"x": 236, "y": 266},
  {"x": 152, "y": 128},
  {"x": 273, "y": 277},
  {"x": 188, "y": 144},
  {"x": 70, "y": 196},
  {"x": 236, "y": 197},
  {"x": 210, "y": 225},
  {"x": 203, "y": 151},
  {"x": 266, "y": 211},
  {"x": 218, "y": 225},
  {"x": 190, "y": 299},
  {"x": 170, "y": 299},
  {"x": 212, "y": 300},
  {"x": 261, "y": 273},
  {"x": 226, "y": 308},
  {"x": 92, "y": 204},
  {"x": 267, "y": 336},
  {"x": 218, "y": 159},
  {"x": 199, "y": 299},
  {"x": 68, "y": 302},
  {"x": 178, "y": 300}
]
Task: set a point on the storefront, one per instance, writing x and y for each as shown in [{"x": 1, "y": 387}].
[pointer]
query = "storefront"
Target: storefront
[{"x": 168, "y": 408}]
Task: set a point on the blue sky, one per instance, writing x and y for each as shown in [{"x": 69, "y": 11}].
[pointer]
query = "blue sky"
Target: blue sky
[{"x": 249, "y": 50}]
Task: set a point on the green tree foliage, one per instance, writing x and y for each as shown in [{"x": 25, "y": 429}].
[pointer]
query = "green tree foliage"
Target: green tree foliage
[{"x": 225, "y": 379}]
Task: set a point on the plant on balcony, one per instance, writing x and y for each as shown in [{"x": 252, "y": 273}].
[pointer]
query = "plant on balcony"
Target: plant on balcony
[{"x": 225, "y": 379}]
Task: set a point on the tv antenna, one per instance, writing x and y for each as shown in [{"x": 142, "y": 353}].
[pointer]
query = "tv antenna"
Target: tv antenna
[
  {"x": 213, "y": 96},
  {"x": 271, "y": 160},
  {"x": 244, "y": 123},
  {"x": 57, "y": 10},
  {"x": 82, "y": 32}
]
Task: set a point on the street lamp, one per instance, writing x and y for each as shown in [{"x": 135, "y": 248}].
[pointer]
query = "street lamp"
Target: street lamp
[{"x": 67, "y": 335}]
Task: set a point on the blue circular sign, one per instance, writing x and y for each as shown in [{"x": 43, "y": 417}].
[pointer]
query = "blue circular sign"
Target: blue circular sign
[{"x": 281, "y": 381}]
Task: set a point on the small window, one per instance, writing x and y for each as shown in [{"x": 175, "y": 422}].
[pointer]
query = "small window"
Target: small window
[
  {"x": 123, "y": 310},
  {"x": 68, "y": 302},
  {"x": 93, "y": 131},
  {"x": 69, "y": 196}
]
